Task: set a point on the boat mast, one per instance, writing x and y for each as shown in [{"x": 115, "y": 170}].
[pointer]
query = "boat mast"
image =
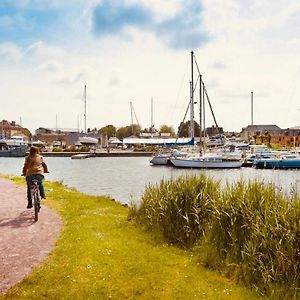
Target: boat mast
[
  {"x": 203, "y": 114},
  {"x": 151, "y": 117},
  {"x": 192, "y": 97},
  {"x": 200, "y": 112},
  {"x": 84, "y": 108},
  {"x": 251, "y": 107},
  {"x": 131, "y": 113}
]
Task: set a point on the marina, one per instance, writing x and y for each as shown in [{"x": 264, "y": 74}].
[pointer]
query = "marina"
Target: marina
[{"x": 125, "y": 178}]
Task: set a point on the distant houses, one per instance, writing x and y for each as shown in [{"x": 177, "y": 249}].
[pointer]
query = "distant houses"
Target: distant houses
[
  {"x": 64, "y": 139},
  {"x": 254, "y": 130},
  {"x": 272, "y": 134},
  {"x": 9, "y": 129}
]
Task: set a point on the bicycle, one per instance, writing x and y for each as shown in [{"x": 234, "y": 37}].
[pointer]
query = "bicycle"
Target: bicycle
[{"x": 35, "y": 196}]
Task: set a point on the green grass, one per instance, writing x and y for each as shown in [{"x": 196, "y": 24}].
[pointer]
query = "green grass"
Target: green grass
[{"x": 101, "y": 255}]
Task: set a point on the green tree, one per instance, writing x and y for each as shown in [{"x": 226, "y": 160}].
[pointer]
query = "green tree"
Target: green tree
[
  {"x": 109, "y": 130},
  {"x": 127, "y": 131},
  {"x": 150, "y": 129},
  {"x": 184, "y": 129},
  {"x": 167, "y": 129},
  {"x": 26, "y": 132}
]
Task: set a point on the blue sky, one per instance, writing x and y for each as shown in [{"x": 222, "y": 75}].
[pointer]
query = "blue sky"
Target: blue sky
[{"x": 130, "y": 50}]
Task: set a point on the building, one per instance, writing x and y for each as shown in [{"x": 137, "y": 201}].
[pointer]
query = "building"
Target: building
[
  {"x": 251, "y": 131},
  {"x": 50, "y": 137},
  {"x": 214, "y": 131},
  {"x": 9, "y": 129},
  {"x": 66, "y": 138},
  {"x": 289, "y": 138}
]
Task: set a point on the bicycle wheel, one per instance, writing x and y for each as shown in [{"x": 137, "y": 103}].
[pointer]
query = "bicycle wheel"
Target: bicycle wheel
[{"x": 36, "y": 205}]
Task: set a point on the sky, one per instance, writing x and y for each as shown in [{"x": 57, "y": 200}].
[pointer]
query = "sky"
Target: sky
[{"x": 137, "y": 50}]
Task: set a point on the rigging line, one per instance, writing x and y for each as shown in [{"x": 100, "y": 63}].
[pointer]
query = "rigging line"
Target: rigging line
[
  {"x": 181, "y": 124},
  {"x": 212, "y": 112},
  {"x": 207, "y": 97},
  {"x": 136, "y": 117},
  {"x": 180, "y": 89},
  {"x": 197, "y": 66},
  {"x": 196, "y": 83}
]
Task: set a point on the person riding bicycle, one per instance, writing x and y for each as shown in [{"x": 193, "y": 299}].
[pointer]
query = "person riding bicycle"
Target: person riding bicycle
[{"x": 34, "y": 168}]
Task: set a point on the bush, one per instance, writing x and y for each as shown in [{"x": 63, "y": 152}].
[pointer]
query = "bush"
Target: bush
[
  {"x": 73, "y": 148},
  {"x": 140, "y": 148},
  {"x": 84, "y": 149}
]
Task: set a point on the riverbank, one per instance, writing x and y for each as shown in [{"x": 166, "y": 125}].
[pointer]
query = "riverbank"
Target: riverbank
[{"x": 101, "y": 255}]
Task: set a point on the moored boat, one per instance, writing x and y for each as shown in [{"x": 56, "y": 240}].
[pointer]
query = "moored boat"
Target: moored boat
[
  {"x": 288, "y": 161},
  {"x": 207, "y": 161},
  {"x": 14, "y": 147},
  {"x": 164, "y": 158}
]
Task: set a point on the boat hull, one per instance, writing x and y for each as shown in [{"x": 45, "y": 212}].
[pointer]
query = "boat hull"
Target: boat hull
[
  {"x": 159, "y": 160},
  {"x": 202, "y": 164},
  {"x": 14, "y": 152},
  {"x": 277, "y": 164}
]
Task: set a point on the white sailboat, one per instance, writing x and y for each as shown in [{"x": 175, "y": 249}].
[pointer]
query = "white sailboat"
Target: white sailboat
[
  {"x": 206, "y": 161},
  {"x": 164, "y": 158},
  {"x": 209, "y": 160}
]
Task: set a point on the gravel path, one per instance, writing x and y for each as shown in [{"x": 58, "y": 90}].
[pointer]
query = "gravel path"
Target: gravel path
[{"x": 23, "y": 243}]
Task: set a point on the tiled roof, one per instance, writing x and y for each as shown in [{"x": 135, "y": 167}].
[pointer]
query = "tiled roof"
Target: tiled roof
[{"x": 262, "y": 128}]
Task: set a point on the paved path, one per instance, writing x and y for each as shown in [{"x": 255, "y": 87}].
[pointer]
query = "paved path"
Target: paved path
[{"x": 23, "y": 243}]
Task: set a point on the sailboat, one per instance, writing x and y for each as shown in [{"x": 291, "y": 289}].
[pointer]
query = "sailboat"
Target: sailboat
[
  {"x": 204, "y": 160},
  {"x": 164, "y": 158}
]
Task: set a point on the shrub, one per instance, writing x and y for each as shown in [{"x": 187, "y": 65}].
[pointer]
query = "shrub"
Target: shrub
[{"x": 84, "y": 149}]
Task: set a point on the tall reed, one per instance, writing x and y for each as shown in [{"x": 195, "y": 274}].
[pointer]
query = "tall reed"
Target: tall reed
[
  {"x": 250, "y": 230},
  {"x": 179, "y": 208},
  {"x": 255, "y": 234}
]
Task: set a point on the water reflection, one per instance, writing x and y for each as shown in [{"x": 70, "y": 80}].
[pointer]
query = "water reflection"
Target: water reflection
[{"x": 124, "y": 178}]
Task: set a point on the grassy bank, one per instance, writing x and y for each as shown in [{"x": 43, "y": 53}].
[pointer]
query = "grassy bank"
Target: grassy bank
[
  {"x": 248, "y": 230},
  {"x": 100, "y": 255}
]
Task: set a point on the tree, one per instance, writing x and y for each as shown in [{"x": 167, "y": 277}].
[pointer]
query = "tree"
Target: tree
[
  {"x": 184, "y": 129},
  {"x": 127, "y": 131},
  {"x": 167, "y": 129},
  {"x": 26, "y": 132},
  {"x": 150, "y": 129},
  {"x": 109, "y": 130}
]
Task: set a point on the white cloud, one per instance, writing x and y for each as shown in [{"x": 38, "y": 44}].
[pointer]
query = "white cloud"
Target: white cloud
[
  {"x": 249, "y": 51},
  {"x": 10, "y": 52}
]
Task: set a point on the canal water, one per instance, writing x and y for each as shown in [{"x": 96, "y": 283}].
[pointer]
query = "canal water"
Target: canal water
[{"x": 125, "y": 178}]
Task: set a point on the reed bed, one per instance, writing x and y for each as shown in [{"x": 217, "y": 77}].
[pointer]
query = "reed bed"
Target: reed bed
[
  {"x": 178, "y": 208},
  {"x": 249, "y": 230}
]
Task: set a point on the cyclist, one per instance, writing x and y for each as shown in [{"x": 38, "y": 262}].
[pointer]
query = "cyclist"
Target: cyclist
[{"x": 34, "y": 168}]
